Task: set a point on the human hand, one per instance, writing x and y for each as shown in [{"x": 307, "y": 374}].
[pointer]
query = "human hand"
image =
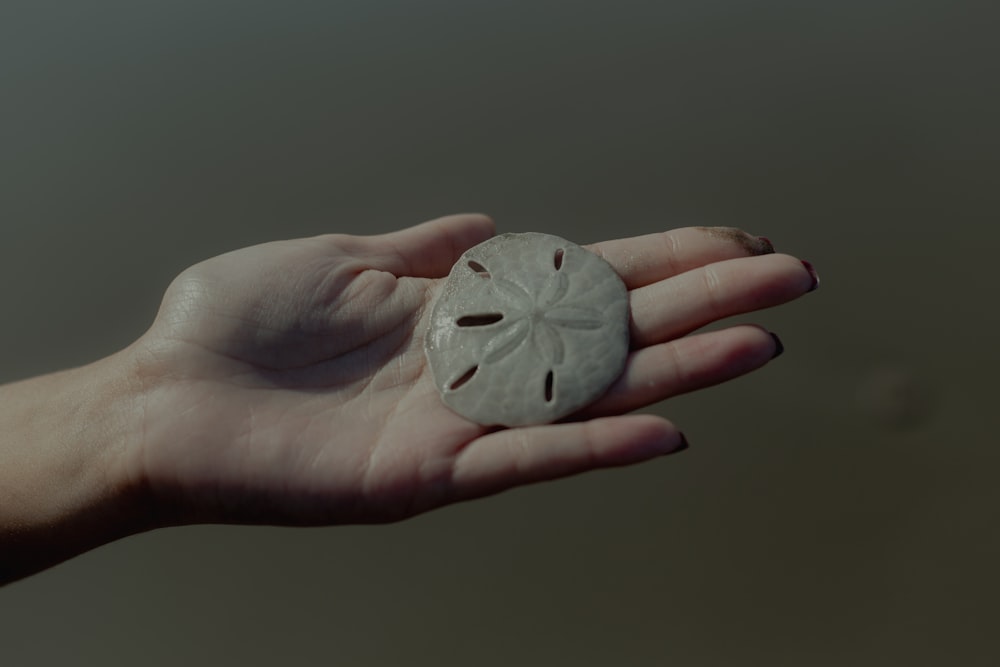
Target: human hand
[{"x": 286, "y": 383}]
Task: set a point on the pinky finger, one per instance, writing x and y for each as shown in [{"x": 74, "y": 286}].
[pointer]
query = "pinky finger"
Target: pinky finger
[
  {"x": 686, "y": 364},
  {"x": 514, "y": 457}
]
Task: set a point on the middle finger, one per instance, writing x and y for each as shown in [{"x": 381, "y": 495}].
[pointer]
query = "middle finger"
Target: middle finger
[{"x": 679, "y": 305}]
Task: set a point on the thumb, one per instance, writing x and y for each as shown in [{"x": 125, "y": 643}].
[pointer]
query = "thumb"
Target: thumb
[{"x": 427, "y": 250}]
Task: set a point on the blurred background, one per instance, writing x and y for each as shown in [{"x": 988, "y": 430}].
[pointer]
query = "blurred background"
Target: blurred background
[{"x": 839, "y": 507}]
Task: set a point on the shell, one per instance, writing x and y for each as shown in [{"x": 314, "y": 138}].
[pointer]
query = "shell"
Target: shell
[{"x": 529, "y": 328}]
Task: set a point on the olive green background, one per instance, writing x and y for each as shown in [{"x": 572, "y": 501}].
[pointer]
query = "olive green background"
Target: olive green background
[{"x": 839, "y": 507}]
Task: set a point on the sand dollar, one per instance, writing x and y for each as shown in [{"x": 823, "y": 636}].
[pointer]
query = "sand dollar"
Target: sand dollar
[{"x": 528, "y": 329}]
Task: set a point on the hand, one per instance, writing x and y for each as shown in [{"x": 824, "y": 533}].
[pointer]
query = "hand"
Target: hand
[{"x": 286, "y": 383}]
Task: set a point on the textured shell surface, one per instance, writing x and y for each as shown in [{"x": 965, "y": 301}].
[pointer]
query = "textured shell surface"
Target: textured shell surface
[{"x": 527, "y": 329}]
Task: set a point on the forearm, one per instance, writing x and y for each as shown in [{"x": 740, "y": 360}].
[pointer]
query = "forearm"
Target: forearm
[{"x": 65, "y": 485}]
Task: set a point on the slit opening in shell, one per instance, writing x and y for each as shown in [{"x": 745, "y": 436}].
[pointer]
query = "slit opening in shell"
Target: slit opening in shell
[
  {"x": 479, "y": 269},
  {"x": 482, "y": 320},
  {"x": 463, "y": 379}
]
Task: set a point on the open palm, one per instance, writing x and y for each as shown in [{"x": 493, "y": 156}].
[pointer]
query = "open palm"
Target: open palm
[{"x": 286, "y": 383}]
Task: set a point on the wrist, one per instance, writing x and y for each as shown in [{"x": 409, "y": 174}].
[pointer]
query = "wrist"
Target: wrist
[{"x": 67, "y": 484}]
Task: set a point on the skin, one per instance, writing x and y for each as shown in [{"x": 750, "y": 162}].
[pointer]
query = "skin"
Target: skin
[{"x": 286, "y": 384}]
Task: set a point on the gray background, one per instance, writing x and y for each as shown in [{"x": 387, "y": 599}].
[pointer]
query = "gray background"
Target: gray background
[{"x": 837, "y": 508}]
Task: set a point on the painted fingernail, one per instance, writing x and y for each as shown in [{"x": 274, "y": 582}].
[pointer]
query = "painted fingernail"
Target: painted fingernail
[
  {"x": 778, "y": 346},
  {"x": 752, "y": 245},
  {"x": 765, "y": 246},
  {"x": 812, "y": 273}
]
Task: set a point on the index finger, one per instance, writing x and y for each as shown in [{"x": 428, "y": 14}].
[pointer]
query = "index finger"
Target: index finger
[{"x": 644, "y": 260}]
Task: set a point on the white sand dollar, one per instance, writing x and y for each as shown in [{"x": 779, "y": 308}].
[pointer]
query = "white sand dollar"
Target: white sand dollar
[{"x": 528, "y": 329}]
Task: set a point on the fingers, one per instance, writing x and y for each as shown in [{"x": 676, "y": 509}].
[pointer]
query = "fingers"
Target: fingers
[
  {"x": 674, "y": 307},
  {"x": 514, "y": 457},
  {"x": 686, "y": 364},
  {"x": 644, "y": 260},
  {"x": 427, "y": 250}
]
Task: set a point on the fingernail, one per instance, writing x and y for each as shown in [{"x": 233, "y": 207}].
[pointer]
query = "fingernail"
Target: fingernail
[
  {"x": 681, "y": 447},
  {"x": 766, "y": 247},
  {"x": 778, "y": 346},
  {"x": 752, "y": 245},
  {"x": 812, "y": 273}
]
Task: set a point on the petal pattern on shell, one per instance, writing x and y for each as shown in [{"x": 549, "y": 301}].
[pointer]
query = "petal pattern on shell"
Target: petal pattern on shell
[
  {"x": 512, "y": 294},
  {"x": 554, "y": 290},
  {"x": 549, "y": 343},
  {"x": 507, "y": 341},
  {"x": 574, "y": 317}
]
